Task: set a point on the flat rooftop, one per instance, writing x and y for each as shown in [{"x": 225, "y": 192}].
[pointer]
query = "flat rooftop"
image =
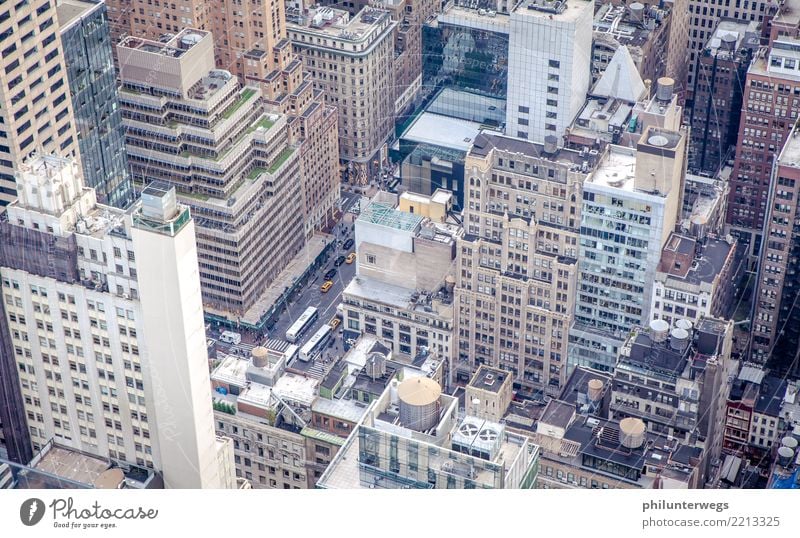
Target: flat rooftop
[
  {"x": 489, "y": 379},
  {"x": 349, "y": 410},
  {"x": 438, "y": 130},
  {"x": 69, "y": 10},
  {"x": 617, "y": 169},
  {"x": 558, "y": 413},
  {"x": 695, "y": 263},
  {"x": 72, "y": 465},
  {"x": 338, "y": 23},
  {"x": 557, "y": 10},
  {"x": 486, "y": 142}
]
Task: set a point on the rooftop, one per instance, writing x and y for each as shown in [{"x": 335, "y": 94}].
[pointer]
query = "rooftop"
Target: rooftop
[
  {"x": 731, "y": 35},
  {"x": 349, "y": 410},
  {"x": 173, "y": 48},
  {"x": 489, "y": 379},
  {"x": 617, "y": 169},
  {"x": 557, "y": 10},
  {"x": 384, "y": 214},
  {"x": 486, "y": 142},
  {"x": 338, "y": 23},
  {"x": 438, "y": 130},
  {"x": 68, "y": 11},
  {"x": 398, "y": 296},
  {"x": 770, "y": 396},
  {"x": 694, "y": 262},
  {"x": 618, "y": 23},
  {"x": 557, "y": 413}
]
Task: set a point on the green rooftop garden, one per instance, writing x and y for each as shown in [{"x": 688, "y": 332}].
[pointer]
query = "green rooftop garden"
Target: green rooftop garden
[
  {"x": 243, "y": 98},
  {"x": 255, "y": 172},
  {"x": 285, "y": 154}
]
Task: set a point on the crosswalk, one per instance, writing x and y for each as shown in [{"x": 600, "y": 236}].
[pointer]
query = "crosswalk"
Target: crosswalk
[{"x": 317, "y": 371}]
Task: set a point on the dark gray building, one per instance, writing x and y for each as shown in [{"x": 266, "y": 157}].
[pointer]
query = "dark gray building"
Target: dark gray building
[{"x": 87, "y": 50}]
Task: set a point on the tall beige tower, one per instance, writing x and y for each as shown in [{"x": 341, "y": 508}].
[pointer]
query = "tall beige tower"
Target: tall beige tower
[{"x": 35, "y": 107}]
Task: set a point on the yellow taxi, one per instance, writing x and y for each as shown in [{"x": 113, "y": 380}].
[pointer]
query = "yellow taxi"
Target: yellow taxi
[
  {"x": 326, "y": 286},
  {"x": 350, "y": 258},
  {"x": 335, "y": 322}
]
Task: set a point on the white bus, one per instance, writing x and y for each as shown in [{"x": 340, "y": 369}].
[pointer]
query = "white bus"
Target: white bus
[
  {"x": 314, "y": 347},
  {"x": 302, "y": 324},
  {"x": 291, "y": 353}
]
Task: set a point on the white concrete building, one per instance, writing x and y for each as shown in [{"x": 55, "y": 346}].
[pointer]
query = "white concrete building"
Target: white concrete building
[
  {"x": 549, "y": 66},
  {"x": 103, "y": 323}
]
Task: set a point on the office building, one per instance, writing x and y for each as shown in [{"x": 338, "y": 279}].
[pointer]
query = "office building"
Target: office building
[
  {"x": 697, "y": 278},
  {"x": 776, "y": 321},
  {"x": 549, "y": 66},
  {"x": 631, "y": 203},
  {"x": 236, "y": 31},
  {"x": 113, "y": 298},
  {"x": 403, "y": 289},
  {"x": 195, "y": 127},
  {"x": 465, "y": 56},
  {"x": 37, "y": 111},
  {"x": 252, "y": 45},
  {"x": 703, "y": 21},
  {"x": 516, "y": 264},
  {"x": 329, "y": 42},
  {"x": 432, "y": 152},
  {"x": 718, "y": 86},
  {"x": 263, "y": 408},
  {"x": 89, "y": 59},
  {"x": 770, "y": 105},
  {"x": 675, "y": 379},
  {"x": 412, "y": 437}
]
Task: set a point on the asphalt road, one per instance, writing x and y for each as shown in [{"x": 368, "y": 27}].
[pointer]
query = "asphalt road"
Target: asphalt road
[{"x": 311, "y": 295}]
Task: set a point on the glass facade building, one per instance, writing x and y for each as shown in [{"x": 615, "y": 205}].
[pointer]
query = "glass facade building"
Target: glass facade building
[
  {"x": 88, "y": 56},
  {"x": 469, "y": 56}
]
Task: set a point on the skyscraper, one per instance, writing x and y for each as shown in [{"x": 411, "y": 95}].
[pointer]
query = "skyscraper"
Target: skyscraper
[
  {"x": 36, "y": 112},
  {"x": 197, "y": 128},
  {"x": 88, "y": 53},
  {"x": 103, "y": 318},
  {"x": 631, "y": 204},
  {"x": 776, "y": 321},
  {"x": 549, "y": 66},
  {"x": 770, "y": 104},
  {"x": 516, "y": 264}
]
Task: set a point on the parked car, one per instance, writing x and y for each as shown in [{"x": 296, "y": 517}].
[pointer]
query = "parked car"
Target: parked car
[{"x": 334, "y": 322}]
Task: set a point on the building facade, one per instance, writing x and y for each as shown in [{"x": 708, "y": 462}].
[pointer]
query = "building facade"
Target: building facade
[
  {"x": 718, "y": 86},
  {"x": 112, "y": 298},
  {"x": 350, "y": 60},
  {"x": 235, "y": 165},
  {"x": 770, "y": 105},
  {"x": 36, "y": 114},
  {"x": 776, "y": 322},
  {"x": 631, "y": 203},
  {"x": 516, "y": 265},
  {"x": 89, "y": 57},
  {"x": 549, "y": 66}
]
